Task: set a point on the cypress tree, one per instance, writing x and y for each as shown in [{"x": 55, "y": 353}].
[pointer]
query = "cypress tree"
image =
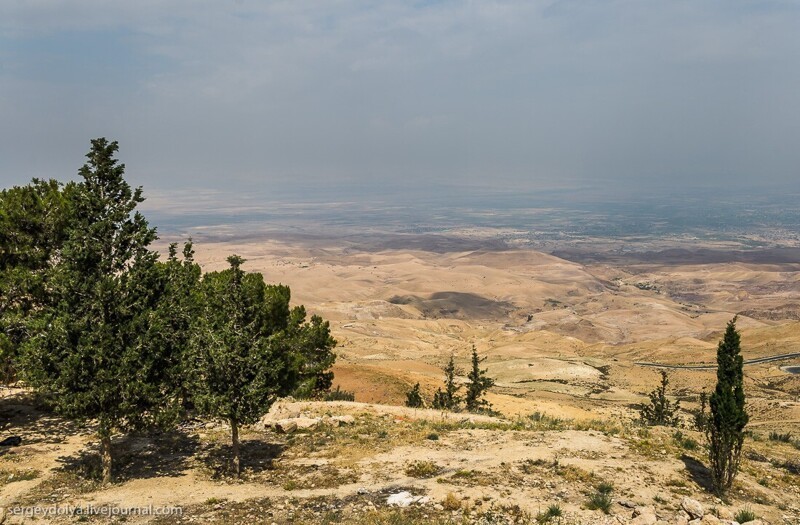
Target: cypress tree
[
  {"x": 477, "y": 384},
  {"x": 728, "y": 417},
  {"x": 449, "y": 398}
]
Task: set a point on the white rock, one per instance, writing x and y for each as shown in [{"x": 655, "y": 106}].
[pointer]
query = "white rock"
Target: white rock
[
  {"x": 305, "y": 423},
  {"x": 754, "y": 522},
  {"x": 344, "y": 420},
  {"x": 404, "y": 499},
  {"x": 285, "y": 426},
  {"x": 693, "y": 507}
]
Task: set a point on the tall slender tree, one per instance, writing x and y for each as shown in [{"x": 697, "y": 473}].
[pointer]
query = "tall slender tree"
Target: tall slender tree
[
  {"x": 477, "y": 384},
  {"x": 728, "y": 417},
  {"x": 91, "y": 354},
  {"x": 448, "y": 399}
]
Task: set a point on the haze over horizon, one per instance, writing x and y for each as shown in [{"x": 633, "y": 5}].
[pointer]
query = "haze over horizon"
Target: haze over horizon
[{"x": 239, "y": 96}]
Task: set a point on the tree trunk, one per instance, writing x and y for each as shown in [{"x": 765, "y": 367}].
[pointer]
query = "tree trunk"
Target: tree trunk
[
  {"x": 105, "y": 452},
  {"x": 235, "y": 443}
]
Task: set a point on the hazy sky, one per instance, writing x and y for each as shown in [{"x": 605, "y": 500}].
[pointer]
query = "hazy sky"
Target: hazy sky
[{"x": 252, "y": 94}]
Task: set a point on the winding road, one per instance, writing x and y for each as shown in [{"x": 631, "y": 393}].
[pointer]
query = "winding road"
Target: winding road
[{"x": 714, "y": 366}]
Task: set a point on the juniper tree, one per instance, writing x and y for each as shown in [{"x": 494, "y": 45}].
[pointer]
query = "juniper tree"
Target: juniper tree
[
  {"x": 34, "y": 221},
  {"x": 660, "y": 411},
  {"x": 728, "y": 417},
  {"x": 448, "y": 399},
  {"x": 477, "y": 385},
  {"x": 91, "y": 355},
  {"x": 249, "y": 348}
]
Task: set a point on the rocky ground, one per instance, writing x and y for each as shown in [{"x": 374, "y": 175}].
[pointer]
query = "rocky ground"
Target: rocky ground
[{"x": 340, "y": 462}]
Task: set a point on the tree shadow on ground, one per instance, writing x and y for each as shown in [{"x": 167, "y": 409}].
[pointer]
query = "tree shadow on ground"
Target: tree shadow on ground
[
  {"x": 698, "y": 472},
  {"x": 167, "y": 454},
  {"x": 26, "y": 415},
  {"x": 256, "y": 456}
]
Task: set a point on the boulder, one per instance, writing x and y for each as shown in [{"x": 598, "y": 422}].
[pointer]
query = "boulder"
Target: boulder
[
  {"x": 644, "y": 519},
  {"x": 692, "y": 507},
  {"x": 724, "y": 513},
  {"x": 710, "y": 519},
  {"x": 285, "y": 426},
  {"x": 754, "y": 522},
  {"x": 343, "y": 420}
]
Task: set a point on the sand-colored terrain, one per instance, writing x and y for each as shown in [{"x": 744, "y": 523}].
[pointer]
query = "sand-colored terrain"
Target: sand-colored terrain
[{"x": 561, "y": 339}]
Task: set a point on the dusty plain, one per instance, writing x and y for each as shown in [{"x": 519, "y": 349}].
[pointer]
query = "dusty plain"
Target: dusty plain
[{"x": 562, "y": 336}]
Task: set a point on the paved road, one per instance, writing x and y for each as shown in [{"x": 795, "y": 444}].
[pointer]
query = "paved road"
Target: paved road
[{"x": 714, "y": 366}]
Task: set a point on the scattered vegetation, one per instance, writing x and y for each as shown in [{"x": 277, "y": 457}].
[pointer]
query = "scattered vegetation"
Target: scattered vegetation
[
  {"x": 745, "y": 515},
  {"x": 423, "y": 469},
  {"x": 781, "y": 438},
  {"x": 685, "y": 442},
  {"x": 553, "y": 511},
  {"x": 339, "y": 395},
  {"x": 601, "y": 499}
]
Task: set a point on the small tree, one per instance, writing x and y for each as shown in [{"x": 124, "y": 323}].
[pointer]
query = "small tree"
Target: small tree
[
  {"x": 250, "y": 348},
  {"x": 701, "y": 416},
  {"x": 660, "y": 411},
  {"x": 448, "y": 399},
  {"x": 728, "y": 417},
  {"x": 477, "y": 385},
  {"x": 414, "y": 398}
]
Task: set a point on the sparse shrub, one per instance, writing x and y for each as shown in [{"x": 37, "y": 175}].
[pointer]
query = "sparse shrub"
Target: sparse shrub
[
  {"x": 553, "y": 511},
  {"x": 684, "y": 441},
  {"x": 605, "y": 487},
  {"x": 414, "y": 398},
  {"x": 660, "y": 411},
  {"x": 782, "y": 438},
  {"x": 339, "y": 395},
  {"x": 451, "y": 502},
  {"x": 599, "y": 501},
  {"x": 433, "y": 436},
  {"x": 745, "y": 514},
  {"x": 423, "y": 469}
]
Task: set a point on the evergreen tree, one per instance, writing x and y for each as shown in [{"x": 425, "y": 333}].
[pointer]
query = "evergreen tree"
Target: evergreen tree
[
  {"x": 701, "y": 416},
  {"x": 414, "y": 398},
  {"x": 661, "y": 411},
  {"x": 448, "y": 399},
  {"x": 90, "y": 353},
  {"x": 728, "y": 417},
  {"x": 250, "y": 347},
  {"x": 477, "y": 385},
  {"x": 34, "y": 221}
]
